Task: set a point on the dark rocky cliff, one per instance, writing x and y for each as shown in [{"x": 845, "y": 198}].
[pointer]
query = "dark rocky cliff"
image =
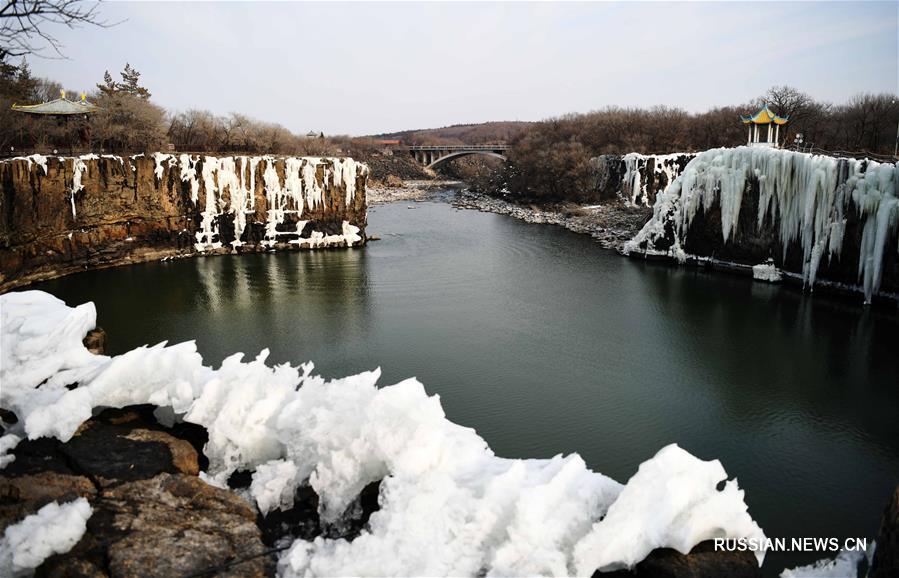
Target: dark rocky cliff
[{"x": 62, "y": 215}]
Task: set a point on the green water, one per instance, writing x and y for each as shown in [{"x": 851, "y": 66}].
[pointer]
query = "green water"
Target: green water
[{"x": 547, "y": 344}]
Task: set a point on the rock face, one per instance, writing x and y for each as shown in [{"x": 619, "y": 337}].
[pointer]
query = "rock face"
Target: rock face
[
  {"x": 152, "y": 515},
  {"x": 61, "y": 215},
  {"x": 886, "y": 557}
]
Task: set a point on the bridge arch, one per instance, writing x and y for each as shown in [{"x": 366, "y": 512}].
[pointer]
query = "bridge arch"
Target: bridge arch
[{"x": 459, "y": 154}]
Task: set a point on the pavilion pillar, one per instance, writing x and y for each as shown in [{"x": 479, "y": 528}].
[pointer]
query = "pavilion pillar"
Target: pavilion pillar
[
  {"x": 777, "y": 135},
  {"x": 749, "y": 138}
]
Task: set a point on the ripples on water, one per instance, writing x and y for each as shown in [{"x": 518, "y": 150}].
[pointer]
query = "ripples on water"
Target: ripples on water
[{"x": 546, "y": 344}]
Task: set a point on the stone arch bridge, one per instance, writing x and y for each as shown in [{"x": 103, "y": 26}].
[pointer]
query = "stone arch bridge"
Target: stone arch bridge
[{"x": 436, "y": 155}]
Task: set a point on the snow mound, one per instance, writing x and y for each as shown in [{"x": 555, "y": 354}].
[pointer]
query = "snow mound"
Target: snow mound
[
  {"x": 448, "y": 505},
  {"x": 807, "y": 197},
  {"x": 54, "y": 529}
]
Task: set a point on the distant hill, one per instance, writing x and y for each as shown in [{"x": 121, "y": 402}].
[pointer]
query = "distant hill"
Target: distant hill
[{"x": 486, "y": 132}]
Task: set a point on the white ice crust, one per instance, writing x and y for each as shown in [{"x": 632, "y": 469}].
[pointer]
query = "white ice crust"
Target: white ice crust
[
  {"x": 807, "y": 197},
  {"x": 448, "y": 505},
  {"x": 54, "y": 529}
]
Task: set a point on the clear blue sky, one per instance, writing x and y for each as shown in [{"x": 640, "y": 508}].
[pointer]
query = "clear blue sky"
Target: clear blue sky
[{"x": 373, "y": 67}]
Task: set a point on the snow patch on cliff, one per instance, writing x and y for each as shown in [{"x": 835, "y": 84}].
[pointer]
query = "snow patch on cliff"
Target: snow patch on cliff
[
  {"x": 806, "y": 196},
  {"x": 448, "y": 504},
  {"x": 635, "y": 165},
  {"x": 39, "y": 160}
]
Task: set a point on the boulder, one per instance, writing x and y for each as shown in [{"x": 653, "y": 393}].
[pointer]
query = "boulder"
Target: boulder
[
  {"x": 95, "y": 341},
  {"x": 169, "y": 525},
  {"x": 152, "y": 515},
  {"x": 110, "y": 453}
]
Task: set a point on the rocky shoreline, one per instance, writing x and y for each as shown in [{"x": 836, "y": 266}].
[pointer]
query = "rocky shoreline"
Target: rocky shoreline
[
  {"x": 410, "y": 191},
  {"x": 611, "y": 224}
]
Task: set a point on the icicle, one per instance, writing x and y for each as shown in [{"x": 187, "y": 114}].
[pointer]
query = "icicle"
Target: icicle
[
  {"x": 78, "y": 167},
  {"x": 275, "y": 214},
  {"x": 311, "y": 188},
  {"x": 207, "y": 236},
  {"x": 160, "y": 159}
]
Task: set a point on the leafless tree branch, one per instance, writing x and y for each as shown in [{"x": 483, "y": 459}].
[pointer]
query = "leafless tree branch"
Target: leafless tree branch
[{"x": 24, "y": 24}]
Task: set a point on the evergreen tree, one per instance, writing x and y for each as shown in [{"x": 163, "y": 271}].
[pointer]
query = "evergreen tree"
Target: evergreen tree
[
  {"x": 131, "y": 83},
  {"x": 109, "y": 85}
]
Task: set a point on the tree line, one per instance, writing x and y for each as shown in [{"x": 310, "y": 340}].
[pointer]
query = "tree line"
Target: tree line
[
  {"x": 551, "y": 159},
  {"x": 127, "y": 121}
]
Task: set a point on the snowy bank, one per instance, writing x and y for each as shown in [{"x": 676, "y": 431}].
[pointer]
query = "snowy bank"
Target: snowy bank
[
  {"x": 839, "y": 214},
  {"x": 448, "y": 505}
]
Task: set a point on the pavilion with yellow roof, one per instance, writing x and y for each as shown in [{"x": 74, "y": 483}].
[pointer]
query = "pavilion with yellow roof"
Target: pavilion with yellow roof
[{"x": 764, "y": 127}]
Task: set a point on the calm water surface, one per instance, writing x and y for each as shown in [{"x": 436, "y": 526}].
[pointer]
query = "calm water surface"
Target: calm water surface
[{"x": 547, "y": 344}]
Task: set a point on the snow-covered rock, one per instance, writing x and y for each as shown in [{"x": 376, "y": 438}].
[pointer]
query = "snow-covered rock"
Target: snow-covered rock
[{"x": 767, "y": 272}]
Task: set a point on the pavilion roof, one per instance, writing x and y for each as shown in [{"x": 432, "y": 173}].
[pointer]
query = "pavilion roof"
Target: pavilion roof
[
  {"x": 60, "y": 106},
  {"x": 764, "y": 116}
]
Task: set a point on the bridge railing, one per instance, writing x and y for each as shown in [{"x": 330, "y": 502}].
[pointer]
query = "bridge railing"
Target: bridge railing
[{"x": 481, "y": 147}]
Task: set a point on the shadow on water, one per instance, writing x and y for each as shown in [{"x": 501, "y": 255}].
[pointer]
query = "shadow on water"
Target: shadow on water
[{"x": 547, "y": 344}]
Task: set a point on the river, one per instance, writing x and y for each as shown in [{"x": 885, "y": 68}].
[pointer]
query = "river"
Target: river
[{"x": 545, "y": 344}]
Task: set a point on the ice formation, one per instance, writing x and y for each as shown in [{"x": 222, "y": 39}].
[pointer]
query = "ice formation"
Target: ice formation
[
  {"x": 807, "y": 196},
  {"x": 78, "y": 167},
  {"x": 54, "y": 529},
  {"x": 633, "y": 181},
  {"x": 39, "y": 160},
  {"x": 448, "y": 505},
  {"x": 845, "y": 565},
  {"x": 767, "y": 272},
  {"x": 230, "y": 186},
  {"x": 7, "y": 444}
]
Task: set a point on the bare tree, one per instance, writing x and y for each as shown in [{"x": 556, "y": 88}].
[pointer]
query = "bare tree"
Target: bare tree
[
  {"x": 24, "y": 23},
  {"x": 791, "y": 103}
]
